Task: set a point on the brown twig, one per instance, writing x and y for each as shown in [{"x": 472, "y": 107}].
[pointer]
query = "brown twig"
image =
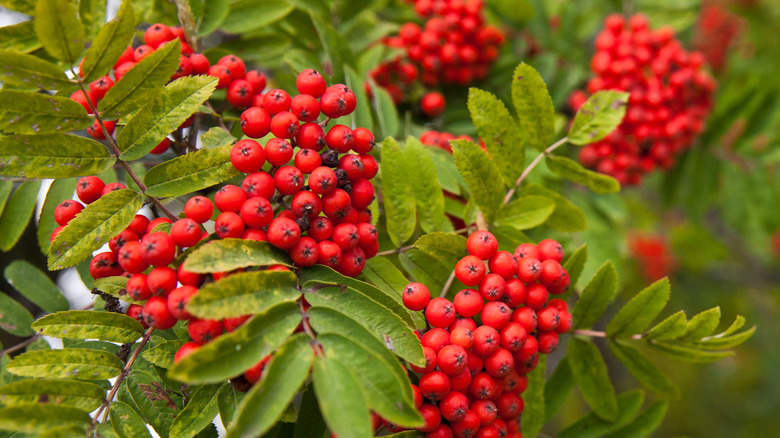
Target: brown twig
[
  {"x": 448, "y": 284},
  {"x": 531, "y": 166},
  {"x": 219, "y": 120},
  {"x": 318, "y": 350},
  {"x": 125, "y": 371},
  {"x": 20, "y": 345},
  {"x": 115, "y": 150}
]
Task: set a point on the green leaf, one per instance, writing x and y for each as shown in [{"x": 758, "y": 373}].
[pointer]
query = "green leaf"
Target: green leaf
[
  {"x": 383, "y": 274},
  {"x": 426, "y": 269},
  {"x": 325, "y": 321},
  {"x": 644, "y": 425},
  {"x": 596, "y": 296},
  {"x": 310, "y": 422},
  {"x": 533, "y": 411},
  {"x": 216, "y": 137},
  {"x": 534, "y": 107},
  {"x": 142, "y": 82},
  {"x": 361, "y": 117},
  {"x": 386, "y": 326},
  {"x": 479, "y": 172},
  {"x": 323, "y": 275},
  {"x": 246, "y": 15},
  {"x": 19, "y": 37},
  {"x": 265, "y": 403},
  {"x": 566, "y": 217},
  {"x": 227, "y": 401},
  {"x": 572, "y": 170},
  {"x": 59, "y": 190},
  {"x": 127, "y": 423},
  {"x": 178, "y": 101},
  {"x": 36, "y": 286},
  {"x": 643, "y": 369},
  {"x": 449, "y": 177},
  {"x": 426, "y": 189},
  {"x": 40, "y": 418},
  {"x": 190, "y": 172},
  {"x": 201, "y": 409},
  {"x": 557, "y": 389},
  {"x": 598, "y": 117},
  {"x": 86, "y": 324},
  {"x": 82, "y": 395},
  {"x": 59, "y": 29},
  {"x": 702, "y": 324},
  {"x": 500, "y": 132},
  {"x": 398, "y": 193},
  {"x": 592, "y": 377},
  {"x": 30, "y": 71},
  {"x": 575, "y": 263},
  {"x": 14, "y": 318},
  {"x": 52, "y": 156},
  {"x": 692, "y": 354},
  {"x": 92, "y": 14},
  {"x": 93, "y": 227},
  {"x": 591, "y": 426},
  {"x": 214, "y": 13},
  {"x": 17, "y": 213},
  {"x": 638, "y": 313},
  {"x": 162, "y": 354},
  {"x": 156, "y": 404},
  {"x": 67, "y": 363},
  {"x": 244, "y": 293},
  {"x": 386, "y": 114},
  {"x": 672, "y": 327},
  {"x": 25, "y": 112},
  {"x": 229, "y": 254},
  {"x": 5, "y": 193},
  {"x": 233, "y": 353},
  {"x": 385, "y": 393},
  {"x": 111, "y": 41},
  {"x": 525, "y": 212},
  {"x": 341, "y": 398}
]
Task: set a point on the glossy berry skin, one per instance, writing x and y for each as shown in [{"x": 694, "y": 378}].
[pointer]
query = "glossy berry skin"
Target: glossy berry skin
[
  {"x": 66, "y": 211},
  {"x": 178, "y": 299},
  {"x": 432, "y": 417},
  {"x": 278, "y": 151},
  {"x": 305, "y": 107},
  {"x": 322, "y": 181},
  {"x": 130, "y": 258},
  {"x": 138, "y": 225},
  {"x": 288, "y": 180},
  {"x": 550, "y": 250},
  {"x": 247, "y": 156},
  {"x": 451, "y": 359},
  {"x": 432, "y": 104},
  {"x": 204, "y": 330},
  {"x": 184, "y": 351},
  {"x": 285, "y": 125},
  {"x": 352, "y": 262},
  {"x": 137, "y": 288},
  {"x": 89, "y": 189},
  {"x": 305, "y": 252},
  {"x": 158, "y": 34},
  {"x": 162, "y": 147},
  {"x": 235, "y": 64},
  {"x": 158, "y": 249},
  {"x": 255, "y": 122},
  {"x": 185, "y": 233},
  {"x": 283, "y": 233},
  {"x": 100, "y": 87},
  {"x": 321, "y": 229},
  {"x": 454, "y": 406},
  {"x": 257, "y": 212},
  {"x": 157, "y": 315},
  {"x": 228, "y": 225},
  {"x": 470, "y": 270},
  {"x": 330, "y": 253},
  {"x": 496, "y": 314},
  {"x": 104, "y": 265},
  {"x": 230, "y": 198},
  {"x": 257, "y": 79},
  {"x": 259, "y": 184},
  {"x": 440, "y": 312},
  {"x": 306, "y": 160},
  {"x": 240, "y": 93},
  {"x": 468, "y": 302},
  {"x": 363, "y": 141},
  {"x": 199, "y": 208},
  {"x": 161, "y": 281},
  {"x": 311, "y": 82},
  {"x": 486, "y": 340},
  {"x": 482, "y": 244},
  {"x": 434, "y": 385}
]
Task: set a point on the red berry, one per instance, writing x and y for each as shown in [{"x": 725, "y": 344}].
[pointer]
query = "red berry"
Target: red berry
[
  {"x": 66, "y": 211},
  {"x": 255, "y": 122},
  {"x": 157, "y": 315},
  {"x": 310, "y": 136},
  {"x": 486, "y": 340},
  {"x": 305, "y": 107},
  {"x": 235, "y": 65},
  {"x": 492, "y": 286},
  {"x": 468, "y": 302},
  {"x": 188, "y": 278},
  {"x": 204, "y": 330},
  {"x": 259, "y": 184},
  {"x": 496, "y": 314},
  {"x": 184, "y": 351},
  {"x": 240, "y": 93},
  {"x": 158, "y": 249},
  {"x": 310, "y": 82},
  {"x": 482, "y": 244},
  {"x": 432, "y": 417},
  {"x": 330, "y": 253},
  {"x": 278, "y": 151},
  {"x": 104, "y": 265},
  {"x": 200, "y": 64},
  {"x": 162, "y": 147},
  {"x": 100, "y": 87},
  {"x": 157, "y": 34},
  {"x": 288, "y": 180},
  {"x": 247, "y": 156},
  {"x": 131, "y": 259},
  {"x": 340, "y": 138},
  {"x": 161, "y": 281},
  {"x": 186, "y": 233},
  {"x": 440, "y": 312},
  {"x": 229, "y": 225},
  {"x": 500, "y": 363},
  {"x": 139, "y": 225},
  {"x": 470, "y": 270},
  {"x": 454, "y": 406},
  {"x": 137, "y": 287},
  {"x": 257, "y": 212},
  {"x": 451, "y": 359},
  {"x": 363, "y": 141},
  {"x": 178, "y": 299},
  {"x": 89, "y": 189},
  {"x": 306, "y": 160},
  {"x": 434, "y": 385},
  {"x": 142, "y": 52},
  {"x": 513, "y": 336},
  {"x": 305, "y": 252},
  {"x": 283, "y": 233},
  {"x": 257, "y": 79},
  {"x": 276, "y": 101},
  {"x": 483, "y": 386},
  {"x": 432, "y": 104},
  {"x": 230, "y": 198},
  {"x": 285, "y": 125},
  {"x": 199, "y": 208}
]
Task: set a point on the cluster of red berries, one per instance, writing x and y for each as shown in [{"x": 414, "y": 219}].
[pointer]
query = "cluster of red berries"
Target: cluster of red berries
[
  {"x": 244, "y": 87},
  {"x": 671, "y": 97},
  {"x": 653, "y": 255},
  {"x": 483, "y": 343},
  {"x": 454, "y": 46},
  {"x": 145, "y": 257},
  {"x": 441, "y": 140},
  {"x": 715, "y": 31},
  {"x": 329, "y": 193}
]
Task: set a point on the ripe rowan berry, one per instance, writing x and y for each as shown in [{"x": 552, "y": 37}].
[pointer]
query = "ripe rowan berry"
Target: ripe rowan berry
[
  {"x": 186, "y": 233},
  {"x": 276, "y": 101},
  {"x": 470, "y": 270},
  {"x": 157, "y": 249},
  {"x": 199, "y": 208},
  {"x": 89, "y": 189},
  {"x": 486, "y": 340},
  {"x": 137, "y": 287},
  {"x": 178, "y": 299},
  {"x": 451, "y": 359},
  {"x": 66, "y": 211},
  {"x": 204, "y": 330},
  {"x": 230, "y": 198},
  {"x": 255, "y": 122},
  {"x": 305, "y": 252},
  {"x": 330, "y": 253},
  {"x": 496, "y": 314},
  {"x": 248, "y": 156},
  {"x": 228, "y": 225},
  {"x": 259, "y": 184},
  {"x": 430, "y": 361},
  {"x": 283, "y": 233},
  {"x": 184, "y": 351},
  {"x": 440, "y": 312},
  {"x": 288, "y": 180},
  {"x": 416, "y": 296},
  {"x": 454, "y": 406},
  {"x": 306, "y": 160},
  {"x": 492, "y": 286},
  {"x": 157, "y": 315},
  {"x": 161, "y": 281},
  {"x": 435, "y": 385},
  {"x": 432, "y": 104},
  {"x": 130, "y": 258},
  {"x": 158, "y": 34}
]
